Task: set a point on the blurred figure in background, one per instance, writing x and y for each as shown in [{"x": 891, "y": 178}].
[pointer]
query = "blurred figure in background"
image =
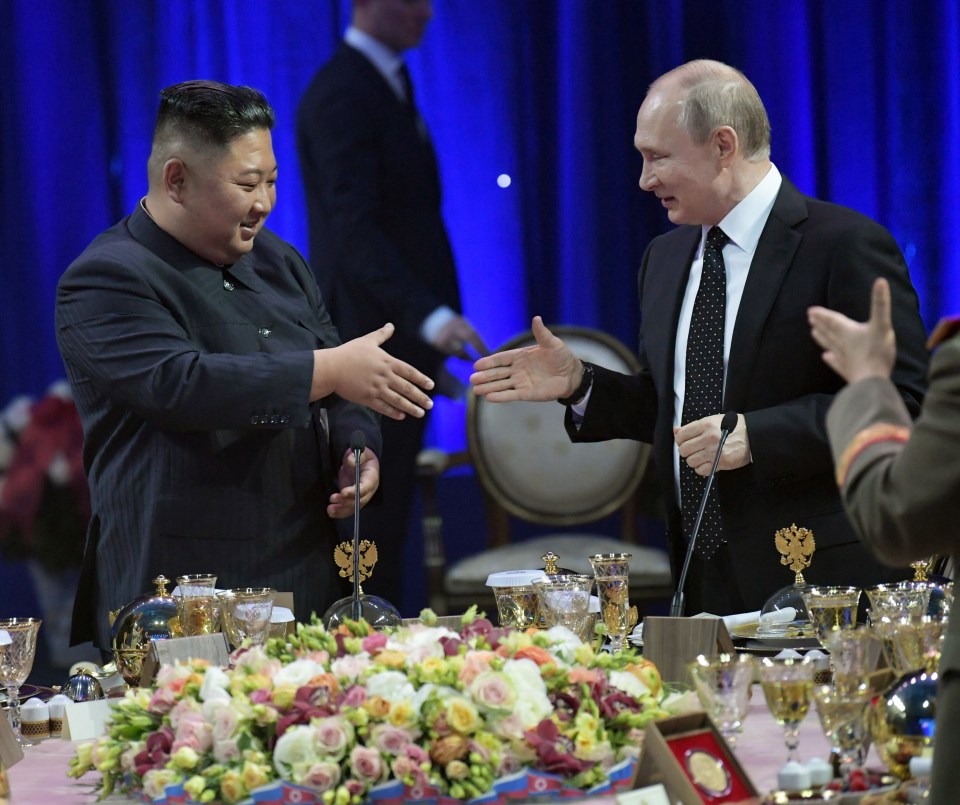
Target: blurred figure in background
[{"x": 378, "y": 243}]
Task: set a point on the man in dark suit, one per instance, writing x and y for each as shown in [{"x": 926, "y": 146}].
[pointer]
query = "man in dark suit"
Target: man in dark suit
[
  {"x": 723, "y": 302},
  {"x": 900, "y": 480},
  {"x": 378, "y": 243},
  {"x": 217, "y": 400}
]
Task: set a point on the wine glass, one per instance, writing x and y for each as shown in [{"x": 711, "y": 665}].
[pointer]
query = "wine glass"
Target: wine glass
[
  {"x": 564, "y": 600},
  {"x": 196, "y": 603},
  {"x": 843, "y": 720},
  {"x": 612, "y": 571},
  {"x": 245, "y": 613},
  {"x": 16, "y": 662},
  {"x": 723, "y": 687},
  {"x": 787, "y": 685},
  {"x": 831, "y": 609}
]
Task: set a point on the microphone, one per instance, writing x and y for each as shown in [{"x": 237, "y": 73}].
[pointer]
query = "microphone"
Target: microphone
[
  {"x": 357, "y": 444},
  {"x": 727, "y": 425}
]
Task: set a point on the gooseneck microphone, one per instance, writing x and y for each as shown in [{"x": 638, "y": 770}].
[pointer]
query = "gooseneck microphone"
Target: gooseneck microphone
[
  {"x": 357, "y": 444},
  {"x": 727, "y": 425}
]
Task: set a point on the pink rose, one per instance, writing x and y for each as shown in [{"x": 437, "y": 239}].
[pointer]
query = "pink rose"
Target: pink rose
[
  {"x": 374, "y": 642},
  {"x": 366, "y": 764},
  {"x": 356, "y": 696},
  {"x": 162, "y": 701},
  {"x": 494, "y": 691},
  {"x": 226, "y": 750},
  {"x": 333, "y": 735},
  {"x": 323, "y": 775},
  {"x": 389, "y": 739},
  {"x": 192, "y": 730}
]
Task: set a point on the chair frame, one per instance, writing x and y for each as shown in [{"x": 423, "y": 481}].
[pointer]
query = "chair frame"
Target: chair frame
[{"x": 499, "y": 505}]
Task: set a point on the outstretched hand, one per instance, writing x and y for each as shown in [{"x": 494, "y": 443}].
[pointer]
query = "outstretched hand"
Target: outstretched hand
[
  {"x": 857, "y": 350},
  {"x": 546, "y": 371},
  {"x": 362, "y": 372},
  {"x": 342, "y": 502}
]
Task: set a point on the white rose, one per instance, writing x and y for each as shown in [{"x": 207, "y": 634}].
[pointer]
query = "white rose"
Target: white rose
[
  {"x": 295, "y": 749},
  {"x": 297, "y": 673},
  {"x": 390, "y": 685},
  {"x": 533, "y": 705},
  {"x": 215, "y": 686}
]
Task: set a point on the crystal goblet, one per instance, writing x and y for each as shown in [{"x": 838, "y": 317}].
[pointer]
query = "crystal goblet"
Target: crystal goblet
[
  {"x": 842, "y": 717},
  {"x": 723, "y": 687},
  {"x": 564, "y": 600},
  {"x": 245, "y": 613},
  {"x": 196, "y": 603},
  {"x": 16, "y": 662},
  {"x": 787, "y": 686},
  {"x": 612, "y": 572}
]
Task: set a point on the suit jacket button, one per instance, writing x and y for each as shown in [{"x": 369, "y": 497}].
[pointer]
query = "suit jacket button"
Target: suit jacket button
[
  {"x": 227, "y": 285},
  {"x": 264, "y": 331}
]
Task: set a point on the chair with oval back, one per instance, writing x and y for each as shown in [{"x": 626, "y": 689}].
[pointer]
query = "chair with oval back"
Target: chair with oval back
[{"x": 530, "y": 470}]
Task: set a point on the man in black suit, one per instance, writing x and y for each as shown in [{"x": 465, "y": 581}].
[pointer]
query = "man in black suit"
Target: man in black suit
[
  {"x": 378, "y": 243},
  {"x": 704, "y": 137},
  {"x": 217, "y": 400}
]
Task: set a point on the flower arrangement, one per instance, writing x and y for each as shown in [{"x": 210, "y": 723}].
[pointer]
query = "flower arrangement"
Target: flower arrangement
[{"x": 344, "y": 714}]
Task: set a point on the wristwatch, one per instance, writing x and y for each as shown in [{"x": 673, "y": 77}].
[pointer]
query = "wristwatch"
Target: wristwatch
[{"x": 586, "y": 380}]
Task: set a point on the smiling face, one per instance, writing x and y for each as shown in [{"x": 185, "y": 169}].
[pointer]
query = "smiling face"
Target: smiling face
[
  {"x": 225, "y": 197},
  {"x": 685, "y": 176}
]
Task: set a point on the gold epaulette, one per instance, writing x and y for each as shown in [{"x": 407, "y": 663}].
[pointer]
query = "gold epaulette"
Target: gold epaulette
[{"x": 882, "y": 432}]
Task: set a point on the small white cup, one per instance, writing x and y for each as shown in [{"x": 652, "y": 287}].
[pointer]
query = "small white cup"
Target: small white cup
[
  {"x": 35, "y": 720},
  {"x": 56, "y": 705}
]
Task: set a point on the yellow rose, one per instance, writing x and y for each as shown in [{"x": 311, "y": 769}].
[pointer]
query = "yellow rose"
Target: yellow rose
[
  {"x": 391, "y": 658},
  {"x": 462, "y": 715},
  {"x": 401, "y": 714},
  {"x": 457, "y": 770},
  {"x": 232, "y": 787},
  {"x": 647, "y": 673},
  {"x": 377, "y": 707},
  {"x": 254, "y": 775},
  {"x": 195, "y": 786}
]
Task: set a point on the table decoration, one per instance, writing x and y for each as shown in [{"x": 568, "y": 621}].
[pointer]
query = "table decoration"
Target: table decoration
[{"x": 351, "y": 715}]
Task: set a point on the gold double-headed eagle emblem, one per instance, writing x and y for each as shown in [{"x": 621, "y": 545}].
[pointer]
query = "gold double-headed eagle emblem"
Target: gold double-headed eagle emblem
[
  {"x": 796, "y": 546},
  {"x": 367, "y": 558}
]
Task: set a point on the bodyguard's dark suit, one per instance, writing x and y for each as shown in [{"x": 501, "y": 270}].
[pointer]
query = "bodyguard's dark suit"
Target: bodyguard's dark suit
[
  {"x": 810, "y": 253},
  {"x": 379, "y": 248},
  {"x": 202, "y": 451}
]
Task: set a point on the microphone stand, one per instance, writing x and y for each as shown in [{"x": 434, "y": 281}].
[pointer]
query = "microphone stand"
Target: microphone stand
[
  {"x": 727, "y": 425},
  {"x": 357, "y": 444}
]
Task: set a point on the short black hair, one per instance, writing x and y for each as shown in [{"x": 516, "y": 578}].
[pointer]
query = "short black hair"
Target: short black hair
[{"x": 209, "y": 114}]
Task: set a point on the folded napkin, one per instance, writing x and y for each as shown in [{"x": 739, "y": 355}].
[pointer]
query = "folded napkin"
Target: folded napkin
[
  {"x": 784, "y": 615},
  {"x": 5, "y": 639},
  {"x": 733, "y": 621},
  {"x": 281, "y": 615}
]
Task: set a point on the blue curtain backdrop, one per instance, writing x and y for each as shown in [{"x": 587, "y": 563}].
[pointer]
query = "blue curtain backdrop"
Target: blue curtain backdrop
[{"x": 862, "y": 94}]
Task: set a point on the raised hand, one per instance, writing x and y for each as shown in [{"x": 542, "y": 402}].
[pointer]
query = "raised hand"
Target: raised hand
[
  {"x": 546, "y": 371},
  {"x": 341, "y": 503},
  {"x": 362, "y": 372},
  {"x": 857, "y": 350}
]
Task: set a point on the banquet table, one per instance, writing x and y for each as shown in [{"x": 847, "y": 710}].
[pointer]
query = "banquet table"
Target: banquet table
[{"x": 40, "y": 778}]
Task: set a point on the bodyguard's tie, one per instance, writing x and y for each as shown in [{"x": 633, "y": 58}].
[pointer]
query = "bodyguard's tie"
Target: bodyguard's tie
[
  {"x": 404, "y": 75},
  {"x": 703, "y": 388}
]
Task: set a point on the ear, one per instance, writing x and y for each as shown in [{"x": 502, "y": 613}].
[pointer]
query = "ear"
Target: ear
[
  {"x": 174, "y": 178},
  {"x": 726, "y": 144}
]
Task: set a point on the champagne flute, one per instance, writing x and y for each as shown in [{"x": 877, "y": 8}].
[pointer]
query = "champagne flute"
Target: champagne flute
[
  {"x": 787, "y": 686},
  {"x": 831, "y": 609},
  {"x": 723, "y": 687},
  {"x": 612, "y": 571},
  {"x": 16, "y": 662}
]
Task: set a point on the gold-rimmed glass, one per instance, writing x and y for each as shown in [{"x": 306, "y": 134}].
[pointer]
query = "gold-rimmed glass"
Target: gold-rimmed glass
[
  {"x": 723, "y": 687},
  {"x": 842, "y": 717},
  {"x": 16, "y": 662},
  {"x": 612, "y": 574},
  {"x": 245, "y": 613},
  {"x": 564, "y": 600},
  {"x": 831, "y": 609},
  {"x": 195, "y": 604},
  {"x": 787, "y": 685}
]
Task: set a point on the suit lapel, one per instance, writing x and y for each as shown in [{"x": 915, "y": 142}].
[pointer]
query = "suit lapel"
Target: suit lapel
[{"x": 775, "y": 252}]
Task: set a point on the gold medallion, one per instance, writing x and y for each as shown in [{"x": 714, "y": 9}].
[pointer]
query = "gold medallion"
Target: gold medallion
[{"x": 708, "y": 772}]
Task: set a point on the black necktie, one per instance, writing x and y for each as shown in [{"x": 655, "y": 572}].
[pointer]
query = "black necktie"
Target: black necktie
[{"x": 703, "y": 388}]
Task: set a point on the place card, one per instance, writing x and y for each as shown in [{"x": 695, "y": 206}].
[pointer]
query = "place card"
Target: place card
[
  {"x": 10, "y": 750},
  {"x": 671, "y": 643},
  {"x": 210, "y": 647},
  {"x": 693, "y": 762},
  {"x": 648, "y": 795},
  {"x": 85, "y": 721}
]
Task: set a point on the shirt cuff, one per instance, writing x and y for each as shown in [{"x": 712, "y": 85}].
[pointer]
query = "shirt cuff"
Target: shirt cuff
[{"x": 432, "y": 325}]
